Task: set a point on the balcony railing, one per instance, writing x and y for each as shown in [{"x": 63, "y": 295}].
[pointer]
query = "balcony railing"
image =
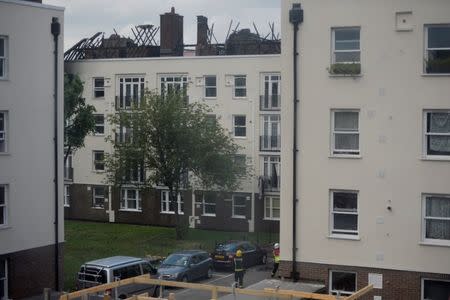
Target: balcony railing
[
  {"x": 269, "y": 143},
  {"x": 68, "y": 173},
  {"x": 127, "y": 102},
  {"x": 269, "y": 102},
  {"x": 271, "y": 183}
]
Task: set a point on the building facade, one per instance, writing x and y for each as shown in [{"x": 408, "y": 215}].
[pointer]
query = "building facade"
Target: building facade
[
  {"x": 243, "y": 92},
  {"x": 31, "y": 246},
  {"x": 373, "y": 161}
]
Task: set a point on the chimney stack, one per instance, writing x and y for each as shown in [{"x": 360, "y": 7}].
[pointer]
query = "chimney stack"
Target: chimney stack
[
  {"x": 171, "y": 34},
  {"x": 202, "y": 30}
]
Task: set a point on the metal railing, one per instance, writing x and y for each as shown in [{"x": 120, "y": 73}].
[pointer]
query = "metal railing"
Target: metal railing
[
  {"x": 270, "y": 142},
  {"x": 269, "y": 102},
  {"x": 127, "y": 102}
]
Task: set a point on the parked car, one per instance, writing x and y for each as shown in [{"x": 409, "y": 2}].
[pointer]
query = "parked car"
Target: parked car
[
  {"x": 110, "y": 269},
  {"x": 186, "y": 266},
  {"x": 224, "y": 254}
]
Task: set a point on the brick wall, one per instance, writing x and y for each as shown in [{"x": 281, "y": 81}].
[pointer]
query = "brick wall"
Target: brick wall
[{"x": 397, "y": 285}]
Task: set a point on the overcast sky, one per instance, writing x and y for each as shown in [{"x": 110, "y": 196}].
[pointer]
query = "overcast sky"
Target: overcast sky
[{"x": 84, "y": 18}]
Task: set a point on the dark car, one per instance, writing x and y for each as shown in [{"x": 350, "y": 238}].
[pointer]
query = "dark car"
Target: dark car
[
  {"x": 186, "y": 266},
  {"x": 224, "y": 254}
]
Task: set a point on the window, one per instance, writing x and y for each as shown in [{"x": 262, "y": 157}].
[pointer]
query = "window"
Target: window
[
  {"x": 130, "y": 199},
  {"x": 3, "y": 279},
  {"x": 124, "y": 134},
  {"x": 270, "y": 140},
  {"x": 345, "y": 132},
  {"x": 68, "y": 169},
  {"x": 209, "y": 204},
  {"x": 99, "y": 87},
  {"x": 3, "y": 205},
  {"x": 435, "y": 289},
  {"x": 342, "y": 282},
  {"x": 99, "y": 124},
  {"x": 3, "y": 131},
  {"x": 436, "y": 219},
  {"x": 210, "y": 86},
  {"x": 99, "y": 160},
  {"x": 437, "y": 49},
  {"x": 3, "y": 57},
  {"x": 131, "y": 90},
  {"x": 238, "y": 208},
  {"x": 136, "y": 174},
  {"x": 170, "y": 84},
  {"x": 168, "y": 207},
  {"x": 211, "y": 119},
  {"x": 98, "y": 196},
  {"x": 437, "y": 133},
  {"x": 240, "y": 86},
  {"x": 270, "y": 166},
  {"x": 239, "y": 126},
  {"x": 66, "y": 195},
  {"x": 344, "y": 213},
  {"x": 346, "y": 45},
  {"x": 272, "y": 207},
  {"x": 270, "y": 99}
]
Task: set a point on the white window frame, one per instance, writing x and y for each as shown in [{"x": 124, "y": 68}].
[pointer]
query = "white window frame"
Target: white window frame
[
  {"x": 239, "y": 126},
  {"x": 165, "y": 203},
  {"x": 98, "y": 88},
  {"x": 422, "y": 286},
  {"x": 123, "y": 82},
  {"x": 426, "y": 240},
  {"x": 5, "y": 206},
  {"x": 94, "y": 161},
  {"x": 333, "y": 45},
  {"x": 267, "y": 163},
  {"x": 99, "y": 125},
  {"x": 233, "y": 206},
  {"x": 95, "y": 196},
  {"x": 426, "y": 134},
  {"x": 124, "y": 200},
  {"x": 269, "y": 120},
  {"x": 266, "y": 78},
  {"x": 268, "y": 203},
  {"x": 210, "y": 87},
  {"x": 343, "y": 233},
  {"x": 426, "y": 48},
  {"x": 4, "y": 58},
  {"x": 239, "y": 87},
  {"x": 4, "y": 132},
  {"x": 163, "y": 81},
  {"x": 342, "y": 293},
  {"x": 204, "y": 204},
  {"x": 66, "y": 195},
  {"x": 356, "y": 153},
  {"x": 5, "y": 281}
]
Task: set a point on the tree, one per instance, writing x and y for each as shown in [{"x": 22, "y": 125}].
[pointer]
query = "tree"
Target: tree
[
  {"x": 171, "y": 140},
  {"x": 78, "y": 116}
]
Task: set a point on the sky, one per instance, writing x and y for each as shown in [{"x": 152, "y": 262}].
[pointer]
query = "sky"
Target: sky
[{"x": 84, "y": 18}]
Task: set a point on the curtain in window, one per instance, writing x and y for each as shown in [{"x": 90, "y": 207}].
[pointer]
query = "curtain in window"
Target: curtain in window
[
  {"x": 438, "y": 208},
  {"x": 440, "y": 123}
]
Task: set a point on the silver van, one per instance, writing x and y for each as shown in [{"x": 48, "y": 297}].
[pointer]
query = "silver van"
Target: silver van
[{"x": 107, "y": 270}]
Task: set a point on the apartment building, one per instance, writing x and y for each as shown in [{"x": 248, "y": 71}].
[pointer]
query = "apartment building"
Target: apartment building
[
  {"x": 372, "y": 202},
  {"x": 243, "y": 92},
  {"x": 31, "y": 245}
]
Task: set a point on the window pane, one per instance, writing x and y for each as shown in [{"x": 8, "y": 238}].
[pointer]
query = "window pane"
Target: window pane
[
  {"x": 99, "y": 192},
  {"x": 436, "y": 290},
  {"x": 2, "y": 270},
  {"x": 2, "y": 215},
  {"x": 239, "y": 200},
  {"x": 210, "y": 92},
  {"x": 276, "y": 213},
  {"x": 345, "y": 34},
  {"x": 99, "y": 82},
  {"x": 240, "y": 81},
  {"x": 346, "y": 141},
  {"x": 347, "y": 45},
  {"x": 342, "y": 281},
  {"x": 2, "y": 62},
  {"x": 2, "y": 47},
  {"x": 439, "y": 122},
  {"x": 438, "y": 145},
  {"x": 239, "y": 120},
  {"x": 210, "y": 80},
  {"x": 240, "y": 131},
  {"x": 239, "y": 211},
  {"x": 2, "y": 195},
  {"x": 276, "y": 202},
  {"x": 342, "y": 57},
  {"x": 131, "y": 204},
  {"x": 345, "y": 222},
  {"x": 345, "y": 201},
  {"x": 241, "y": 92},
  {"x": 131, "y": 194},
  {"x": 346, "y": 121},
  {"x": 438, "y": 229},
  {"x": 210, "y": 209},
  {"x": 439, "y": 37},
  {"x": 438, "y": 207}
]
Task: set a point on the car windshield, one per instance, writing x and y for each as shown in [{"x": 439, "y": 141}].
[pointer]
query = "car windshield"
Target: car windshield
[
  {"x": 226, "y": 247},
  {"x": 176, "y": 260}
]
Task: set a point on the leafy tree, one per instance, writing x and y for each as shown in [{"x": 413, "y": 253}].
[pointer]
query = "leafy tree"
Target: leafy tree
[
  {"x": 170, "y": 140},
  {"x": 78, "y": 116}
]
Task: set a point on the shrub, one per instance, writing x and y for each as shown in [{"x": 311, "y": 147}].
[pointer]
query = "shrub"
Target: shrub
[{"x": 345, "y": 69}]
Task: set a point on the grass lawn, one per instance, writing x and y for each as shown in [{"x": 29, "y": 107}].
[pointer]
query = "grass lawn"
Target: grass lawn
[{"x": 88, "y": 240}]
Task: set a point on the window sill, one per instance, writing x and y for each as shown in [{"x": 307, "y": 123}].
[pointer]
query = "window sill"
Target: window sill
[
  {"x": 209, "y": 98},
  {"x": 4, "y": 153},
  {"x": 131, "y": 210},
  {"x": 98, "y": 171},
  {"x": 240, "y": 98},
  {"x": 435, "y": 74},
  {"x": 102, "y": 208},
  {"x": 4, "y": 79},
  {"x": 358, "y": 156},
  {"x": 66, "y": 205},
  {"x": 99, "y": 134},
  {"x": 344, "y": 237},
  {"x": 240, "y": 137},
  {"x": 435, "y": 158},
  {"x": 238, "y": 217},
  {"x": 345, "y": 75},
  {"x": 98, "y": 98},
  {"x": 271, "y": 219},
  {"x": 170, "y": 213},
  {"x": 435, "y": 244},
  {"x": 4, "y": 227},
  {"x": 208, "y": 215}
]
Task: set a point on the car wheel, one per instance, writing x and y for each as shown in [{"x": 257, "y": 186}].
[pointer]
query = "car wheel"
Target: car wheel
[
  {"x": 156, "y": 292},
  {"x": 264, "y": 259},
  {"x": 123, "y": 296},
  {"x": 209, "y": 273}
]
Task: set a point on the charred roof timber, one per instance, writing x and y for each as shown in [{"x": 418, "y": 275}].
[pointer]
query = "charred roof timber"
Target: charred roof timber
[{"x": 144, "y": 44}]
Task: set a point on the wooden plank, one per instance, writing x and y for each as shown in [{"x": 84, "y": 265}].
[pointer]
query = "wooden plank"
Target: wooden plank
[
  {"x": 171, "y": 296},
  {"x": 360, "y": 293},
  {"x": 98, "y": 288}
]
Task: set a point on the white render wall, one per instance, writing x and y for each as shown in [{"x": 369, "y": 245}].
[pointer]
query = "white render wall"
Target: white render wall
[
  {"x": 224, "y": 106},
  {"x": 391, "y": 95},
  {"x": 27, "y": 95}
]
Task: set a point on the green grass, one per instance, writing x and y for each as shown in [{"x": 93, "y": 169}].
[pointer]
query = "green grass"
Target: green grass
[{"x": 88, "y": 240}]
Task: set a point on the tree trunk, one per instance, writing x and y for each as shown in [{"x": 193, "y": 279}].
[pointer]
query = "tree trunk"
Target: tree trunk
[{"x": 173, "y": 198}]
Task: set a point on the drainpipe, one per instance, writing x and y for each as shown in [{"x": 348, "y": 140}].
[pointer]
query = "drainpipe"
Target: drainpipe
[
  {"x": 56, "y": 30},
  {"x": 295, "y": 17}
]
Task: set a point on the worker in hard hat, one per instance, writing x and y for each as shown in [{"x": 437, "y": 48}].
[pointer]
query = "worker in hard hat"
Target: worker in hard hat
[
  {"x": 239, "y": 269},
  {"x": 276, "y": 258}
]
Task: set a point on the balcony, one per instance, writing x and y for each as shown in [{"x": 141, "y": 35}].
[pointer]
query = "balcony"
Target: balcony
[
  {"x": 271, "y": 183},
  {"x": 126, "y": 102},
  {"x": 68, "y": 173},
  {"x": 269, "y": 143},
  {"x": 269, "y": 102}
]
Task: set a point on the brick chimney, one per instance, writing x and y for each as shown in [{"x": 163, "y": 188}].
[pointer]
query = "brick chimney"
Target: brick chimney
[
  {"x": 171, "y": 34},
  {"x": 202, "y": 30}
]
